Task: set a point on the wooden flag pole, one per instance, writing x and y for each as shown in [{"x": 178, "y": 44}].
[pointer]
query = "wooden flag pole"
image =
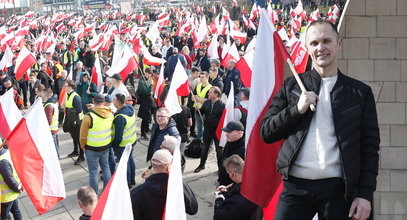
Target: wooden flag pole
[{"x": 297, "y": 78}]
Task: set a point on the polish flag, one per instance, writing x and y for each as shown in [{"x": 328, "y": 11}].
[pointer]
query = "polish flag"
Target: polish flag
[
  {"x": 245, "y": 66},
  {"x": 213, "y": 47},
  {"x": 299, "y": 55},
  {"x": 61, "y": 27},
  {"x": 149, "y": 59},
  {"x": 24, "y": 61},
  {"x": 179, "y": 87},
  {"x": 117, "y": 55},
  {"x": 9, "y": 113},
  {"x": 126, "y": 64},
  {"x": 232, "y": 54},
  {"x": 62, "y": 95},
  {"x": 202, "y": 30},
  {"x": 160, "y": 86},
  {"x": 108, "y": 206},
  {"x": 239, "y": 35},
  {"x": 35, "y": 159},
  {"x": 234, "y": 3},
  {"x": 283, "y": 34},
  {"x": 175, "y": 205},
  {"x": 7, "y": 59},
  {"x": 97, "y": 73},
  {"x": 268, "y": 76},
  {"x": 90, "y": 28},
  {"x": 3, "y": 32},
  {"x": 164, "y": 21},
  {"x": 24, "y": 31},
  {"x": 227, "y": 116},
  {"x": 248, "y": 23},
  {"x": 254, "y": 12}
]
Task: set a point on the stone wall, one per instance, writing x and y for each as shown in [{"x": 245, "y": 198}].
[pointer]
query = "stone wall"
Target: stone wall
[{"x": 375, "y": 51}]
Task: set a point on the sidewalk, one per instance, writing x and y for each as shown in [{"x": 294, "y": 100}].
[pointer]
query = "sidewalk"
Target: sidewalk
[{"x": 203, "y": 184}]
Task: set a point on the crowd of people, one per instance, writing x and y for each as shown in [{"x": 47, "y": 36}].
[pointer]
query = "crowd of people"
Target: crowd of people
[{"x": 102, "y": 121}]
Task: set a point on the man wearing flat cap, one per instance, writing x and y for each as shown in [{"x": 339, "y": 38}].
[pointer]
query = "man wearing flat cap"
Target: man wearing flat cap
[
  {"x": 148, "y": 199},
  {"x": 234, "y": 145}
]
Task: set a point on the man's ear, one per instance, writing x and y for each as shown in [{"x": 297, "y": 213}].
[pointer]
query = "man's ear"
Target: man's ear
[{"x": 340, "y": 41}]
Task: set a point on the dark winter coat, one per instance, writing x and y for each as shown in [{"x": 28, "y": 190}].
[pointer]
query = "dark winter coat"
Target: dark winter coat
[
  {"x": 355, "y": 122},
  {"x": 236, "y": 147},
  {"x": 157, "y": 137}
]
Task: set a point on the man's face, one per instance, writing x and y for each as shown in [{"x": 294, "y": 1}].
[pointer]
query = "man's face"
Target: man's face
[
  {"x": 323, "y": 45},
  {"x": 67, "y": 88},
  {"x": 7, "y": 84},
  {"x": 154, "y": 50},
  {"x": 232, "y": 174},
  {"x": 194, "y": 75},
  {"x": 162, "y": 118},
  {"x": 230, "y": 65},
  {"x": 212, "y": 95},
  {"x": 234, "y": 135},
  {"x": 64, "y": 75},
  {"x": 85, "y": 78},
  {"x": 33, "y": 79},
  {"x": 203, "y": 78}
]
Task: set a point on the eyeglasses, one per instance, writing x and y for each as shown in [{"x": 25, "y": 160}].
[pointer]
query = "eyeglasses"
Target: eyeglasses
[{"x": 161, "y": 116}]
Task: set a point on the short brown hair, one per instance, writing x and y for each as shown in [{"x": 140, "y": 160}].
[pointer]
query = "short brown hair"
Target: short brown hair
[
  {"x": 217, "y": 91},
  {"x": 71, "y": 83},
  {"x": 86, "y": 196}
]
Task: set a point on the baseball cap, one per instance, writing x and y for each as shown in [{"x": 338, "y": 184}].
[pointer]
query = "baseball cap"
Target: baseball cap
[
  {"x": 108, "y": 98},
  {"x": 99, "y": 98},
  {"x": 117, "y": 76},
  {"x": 233, "y": 126},
  {"x": 161, "y": 157}
]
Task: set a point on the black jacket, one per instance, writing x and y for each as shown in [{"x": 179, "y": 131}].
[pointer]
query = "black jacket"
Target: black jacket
[
  {"x": 157, "y": 137},
  {"x": 148, "y": 200},
  {"x": 236, "y": 147},
  {"x": 235, "y": 206},
  {"x": 355, "y": 122},
  {"x": 212, "y": 115}
]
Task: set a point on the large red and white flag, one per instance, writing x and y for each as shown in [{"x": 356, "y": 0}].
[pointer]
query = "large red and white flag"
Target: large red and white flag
[
  {"x": 35, "y": 159},
  {"x": 232, "y": 54},
  {"x": 97, "y": 73},
  {"x": 9, "y": 113},
  {"x": 179, "y": 87},
  {"x": 115, "y": 202},
  {"x": 149, "y": 59},
  {"x": 24, "y": 61},
  {"x": 202, "y": 30},
  {"x": 24, "y": 31},
  {"x": 267, "y": 78},
  {"x": 228, "y": 115},
  {"x": 125, "y": 64},
  {"x": 175, "y": 205},
  {"x": 163, "y": 21}
]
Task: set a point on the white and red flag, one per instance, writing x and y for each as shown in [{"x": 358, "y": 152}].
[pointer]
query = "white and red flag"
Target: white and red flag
[
  {"x": 245, "y": 66},
  {"x": 149, "y": 59},
  {"x": 24, "y": 31},
  {"x": 9, "y": 113},
  {"x": 175, "y": 204},
  {"x": 7, "y": 59},
  {"x": 160, "y": 86},
  {"x": 299, "y": 54},
  {"x": 228, "y": 115},
  {"x": 164, "y": 21},
  {"x": 97, "y": 73},
  {"x": 115, "y": 201},
  {"x": 179, "y": 87},
  {"x": 268, "y": 75},
  {"x": 232, "y": 54},
  {"x": 24, "y": 61},
  {"x": 35, "y": 159},
  {"x": 213, "y": 47}
]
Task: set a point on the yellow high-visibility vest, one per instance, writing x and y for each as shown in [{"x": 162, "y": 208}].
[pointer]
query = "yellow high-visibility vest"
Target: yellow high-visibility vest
[
  {"x": 202, "y": 92},
  {"x": 69, "y": 102},
  {"x": 129, "y": 132},
  {"x": 6, "y": 193},
  {"x": 100, "y": 134}
]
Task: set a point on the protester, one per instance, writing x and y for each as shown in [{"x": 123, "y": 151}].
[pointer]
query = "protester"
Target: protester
[
  {"x": 144, "y": 91},
  {"x": 119, "y": 87},
  {"x": 335, "y": 148},
  {"x": 10, "y": 187},
  {"x": 33, "y": 82},
  {"x": 200, "y": 95},
  {"x": 232, "y": 75},
  {"x": 87, "y": 90},
  {"x": 148, "y": 199},
  {"x": 95, "y": 138},
  {"x": 240, "y": 113},
  {"x": 87, "y": 200},
  {"x": 229, "y": 203}
]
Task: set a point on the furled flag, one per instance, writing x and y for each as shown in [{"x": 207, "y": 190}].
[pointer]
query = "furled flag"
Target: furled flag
[
  {"x": 299, "y": 54},
  {"x": 35, "y": 159},
  {"x": 202, "y": 30},
  {"x": 175, "y": 205},
  {"x": 97, "y": 73},
  {"x": 108, "y": 206},
  {"x": 267, "y": 78},
  {"x": 179, "y": 87},
  {"x": 9, "y": 113},
  {"x": 228, "y": 115},
  {"x": 24, "y": 61},
  {"x": 160, "y": 86}
]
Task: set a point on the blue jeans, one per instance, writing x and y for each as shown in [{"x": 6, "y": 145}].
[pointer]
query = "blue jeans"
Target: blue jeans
[
  {"x": 55, "y": 137},
  {"x": 131, "y": 165},
  {"x": 112, "y": 161},
  {"x": 94, "y": 159},
  {"x": 199, "y": 125},
  {"x": 12, "y": 207}
]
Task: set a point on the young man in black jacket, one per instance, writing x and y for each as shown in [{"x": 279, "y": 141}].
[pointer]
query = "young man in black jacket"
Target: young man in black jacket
[{"x": 329, "y": 158}]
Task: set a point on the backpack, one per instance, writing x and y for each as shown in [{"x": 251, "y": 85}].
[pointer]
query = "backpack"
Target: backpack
[{"x": 193, "y": 150}]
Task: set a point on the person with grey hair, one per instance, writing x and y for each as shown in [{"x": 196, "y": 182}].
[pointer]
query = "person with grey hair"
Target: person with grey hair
[{"x": 87, "y": 200}]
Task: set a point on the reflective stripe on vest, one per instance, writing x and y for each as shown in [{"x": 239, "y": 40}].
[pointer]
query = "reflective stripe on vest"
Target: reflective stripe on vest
[
  {"x": 202, "y": 92},
  {"x": 101, "y": 132},
  {"x": 54, "y": 122},
  {"x": 69, "y": 102},
  {"x": 129, "y": 132},
  {"x": 6, "y": 193}
]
